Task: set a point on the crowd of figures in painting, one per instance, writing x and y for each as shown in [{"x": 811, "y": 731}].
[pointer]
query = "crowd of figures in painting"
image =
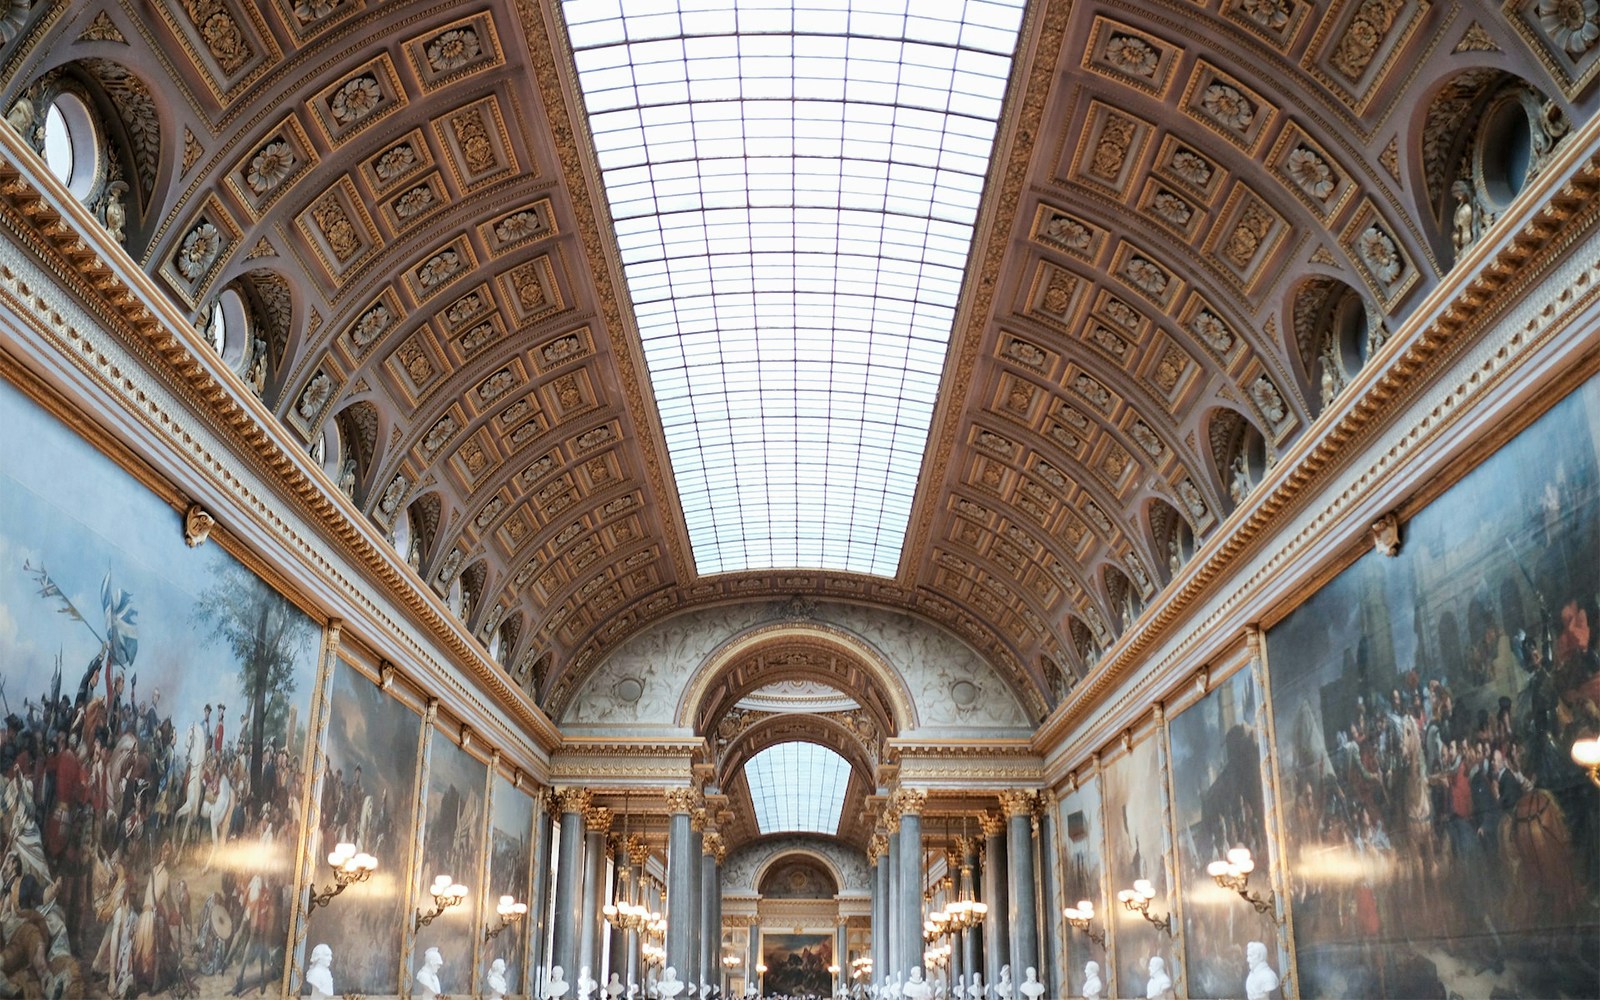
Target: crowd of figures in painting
[
  {"x": 1432, "y": 824},
  {"x": 155, "y": 765}
]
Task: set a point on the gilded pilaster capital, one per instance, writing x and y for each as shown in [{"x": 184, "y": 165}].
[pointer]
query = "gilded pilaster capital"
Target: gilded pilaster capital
[
  {"x": 1018, "y": 802},
  {"x": 877, "y": 847},
  {"x": 698, "y": 818},
  {"x": 891, "y": 820},
  {"x": 910, "y": 801},
  {"x": 597, "y": 819},
  {"x": 572, "y": 800},
  {"x": 966, "y": 846},
  {"x": 713, "y": 847},
  {"x": 679, "y": 800},
  {"x": 993, "y": 825}
]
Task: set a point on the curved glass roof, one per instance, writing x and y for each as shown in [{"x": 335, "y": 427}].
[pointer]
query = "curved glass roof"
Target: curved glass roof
[
  {"x": 797, "y": 788},
  {"x": 794, "y": 187}
]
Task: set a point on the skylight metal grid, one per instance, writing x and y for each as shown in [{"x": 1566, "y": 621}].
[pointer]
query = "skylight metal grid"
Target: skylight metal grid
[
  {"x": 797, "y": 787},
  {"x": 794, "y": 188}
]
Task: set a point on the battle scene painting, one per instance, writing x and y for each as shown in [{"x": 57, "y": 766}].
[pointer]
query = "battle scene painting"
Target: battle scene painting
[
  {"x": 1217, "y": 806},
  {"x": 1135, "y": 788},
  {"x": 367, "y": 799},
  {"x": 510, "y": 868},
  {"x": 1083, "y": 878},
  {"x": 156, "y": 701},
  {"x": 452, "y": 844},
  {"x": 797, "y": 965},
  {"x": 1440, "y": 840}
]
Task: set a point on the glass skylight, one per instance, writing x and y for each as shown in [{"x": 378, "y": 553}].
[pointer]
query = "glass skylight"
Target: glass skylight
[
  {"x": 794, "y": 188},
  {"x": 797, "y": 787}
]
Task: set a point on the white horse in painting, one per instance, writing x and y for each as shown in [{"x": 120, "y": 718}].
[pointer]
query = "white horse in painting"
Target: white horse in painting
[
  {"x": 218, "y": 809},
  {"x": 194, "y": 751}
]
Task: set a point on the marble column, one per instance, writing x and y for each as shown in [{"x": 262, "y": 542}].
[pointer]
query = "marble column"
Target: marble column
[
  {"x": 971, "y": 940},
  {"x": 639, "y": 857},
  {"x": 1049, "y": 907},
  {"x": 891, "y": 944},
  {"x": 622, "y": 879},
  {"x": 1023, "y": 911},
  {"x": 952, "y": 869},
  {"x": 996, "y": 927},
  {"x": 597, "y": 821},
  {"x": 877, "y": 851},
  {"x": 539, "y": 903},
  {"x": 683, "y": 890},
  {"x": 712, "y": 852},
  {"x": 572, "y": 803},
  {"x": 841, "y": 953},
  {"x": 697, "y": 839},
  {"x": 910, "y": 802}
]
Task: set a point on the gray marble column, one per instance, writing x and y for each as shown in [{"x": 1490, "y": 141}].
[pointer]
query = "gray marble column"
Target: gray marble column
[
  {"x": 841, "y": 952},
  {"x": 1049, "y": 904},
  {"x": 711, "y": 854},
  {"x": 683, "y": 890},
  {"x": 972, "y": 940},
  {"x": 910, "y": 802},
  {"x": 638, "y": 858},
  {"x": 1023, "y": 911},
  {"x": 621, "y": 879},
  {"x": 597, "y": 822},
  {"x": 877, "y": 857},
  {"x": 891, "y": 907},
  {"x": 569, "y": 871},
  {"x": 697, "y": 840},
  {"x": 996, "y": 927},
  {"x": 539, "y": 903}
]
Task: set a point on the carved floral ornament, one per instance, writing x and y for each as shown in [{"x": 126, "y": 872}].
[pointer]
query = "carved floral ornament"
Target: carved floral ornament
[{"x": 1573, "y": 25}]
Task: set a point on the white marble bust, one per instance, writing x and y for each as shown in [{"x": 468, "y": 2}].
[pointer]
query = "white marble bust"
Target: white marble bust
[
  {"x": 614, "y": 987},
  {"x": 425, "y": 984},
  {"x": 915, "y": 988},
  {"x": 1031, "y": 987},
  {"x": 1092, "y": 986},
  {"x": 1262, "y": 980},
  {"x": 977, "y": 991},
  {"x": 1160, "y": 985},
  {"x": 1002, "y": 989},
  {"x": 556, "y": 986},
  {"x": 586, "y": 984},
  {"x": 319, "y": 975},
  {"x": 495, "y": 981},
  {"x": 669, "y": 985}
]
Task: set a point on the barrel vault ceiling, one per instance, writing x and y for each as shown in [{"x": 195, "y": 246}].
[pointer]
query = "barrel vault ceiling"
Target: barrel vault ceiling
[{"x": 407, "y": 189}]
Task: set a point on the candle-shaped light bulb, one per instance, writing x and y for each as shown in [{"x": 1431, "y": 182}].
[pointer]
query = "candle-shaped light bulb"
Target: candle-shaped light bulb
[
  {"x": 1586, "y": 752},
  {"x": 519, "y": 908},
  {"x": 1144, "y": 888},
  {"x": 1085, "y": 907},
  {"x": 1217, "y": 868},
  {"x": 458, "y": 891}
]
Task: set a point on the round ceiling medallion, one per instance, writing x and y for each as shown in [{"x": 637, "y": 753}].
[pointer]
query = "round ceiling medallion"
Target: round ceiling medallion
[
  {"x": 629, "y": 689},
  {"x": 964, "y": 693}
]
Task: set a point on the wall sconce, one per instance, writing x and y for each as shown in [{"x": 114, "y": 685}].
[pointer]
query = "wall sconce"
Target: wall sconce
[
  {"x": 1137, "y": 900},
  {"x": 1234, "y": 873},
  {"x": 349, "y": 867},
  {"x": 1586, "y": 754},
  {"x": 510, "y": 912},
  {"x": 446, "y": 893},
  {"x": 1079, "y": 917}
]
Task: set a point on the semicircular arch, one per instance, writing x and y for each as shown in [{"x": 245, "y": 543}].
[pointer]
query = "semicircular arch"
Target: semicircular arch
[{"x": 797, "y": 727}]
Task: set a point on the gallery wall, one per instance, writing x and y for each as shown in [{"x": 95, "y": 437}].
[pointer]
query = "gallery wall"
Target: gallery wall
[
  {"x": 183, "y": 745},
  {"x": 1413, "y": 717}
]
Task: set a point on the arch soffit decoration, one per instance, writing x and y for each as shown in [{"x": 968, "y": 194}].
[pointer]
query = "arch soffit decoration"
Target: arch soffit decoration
[
  {"x": 826, "y": 653},
  {"x": 806, "y": 856},
  {"x": 783, "y": 847},
  {"x": 1160, "y": 280}
]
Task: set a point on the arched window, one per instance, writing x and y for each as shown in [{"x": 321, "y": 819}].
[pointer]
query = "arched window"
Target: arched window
[{"x": 72, "y": 144}]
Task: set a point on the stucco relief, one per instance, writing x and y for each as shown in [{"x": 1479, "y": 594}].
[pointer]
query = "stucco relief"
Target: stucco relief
[
  {"x": 950, "y": 685},
  {"x": 744, "y": 866}
]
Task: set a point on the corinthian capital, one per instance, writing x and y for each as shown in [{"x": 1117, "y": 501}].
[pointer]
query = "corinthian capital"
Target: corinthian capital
[
  {"x": 1018, "y": 802},
  {"x": 572, "y": 800},
  {"x": 992, "y": 825},
  {"x": 877, "y": 847},
  {"x": 679, "y": 800},
  {"x": 597, "y": 819},
  {"x": 891, "y": 820},
  {"x": 910, "y": 801},
  {"x": 713, "y": 847},
  {"x": 698, "y": 818}
]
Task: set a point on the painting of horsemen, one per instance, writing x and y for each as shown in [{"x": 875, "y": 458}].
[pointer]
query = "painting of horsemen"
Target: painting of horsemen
[
  {"x": 155, "y": 702},
  {"x": 1134, "y": 785},
  {"x": 453, "y": 827},
  {"x": 366, "y": 799},
  {"x": 1440, "y": 840},
  {"x": 1083, "y": 880},
  {"x": 510, "y": 868}
]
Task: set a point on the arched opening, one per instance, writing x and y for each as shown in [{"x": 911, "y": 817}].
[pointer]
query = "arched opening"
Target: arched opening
[
  {"x": 1238, "y": 453},
  {"x": 1335, "y": 333},
  {"x": 798, "y": 876},
  {"x": 1171, "y": 535}
]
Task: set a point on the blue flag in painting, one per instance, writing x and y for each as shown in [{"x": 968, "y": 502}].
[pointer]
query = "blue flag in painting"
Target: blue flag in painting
[{"x": 122, "y": 628}]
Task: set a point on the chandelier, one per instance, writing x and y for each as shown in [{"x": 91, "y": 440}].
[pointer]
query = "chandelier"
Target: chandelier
[
  {"x": 964, "y": 913},
  {"x": 626, "y": 912}
]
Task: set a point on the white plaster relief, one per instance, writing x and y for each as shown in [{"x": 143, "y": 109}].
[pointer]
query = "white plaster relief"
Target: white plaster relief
[{"x": 744, "y": 866}]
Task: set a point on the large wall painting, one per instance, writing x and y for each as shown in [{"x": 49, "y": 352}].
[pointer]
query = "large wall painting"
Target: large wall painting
[
  {"x": 1137, "y": 848},
  {"x": 1440, "y": 841},
  {"x": 1083, "y": 878},
  {"x": 510, "y": 868},
  {"x": 1217, "y": 805},
  {"x": 368, "y": 800},
  {"x": 452, "y": 844},
  {"x": 797, "y": 965},
  {"x": 156, "y": 702}
]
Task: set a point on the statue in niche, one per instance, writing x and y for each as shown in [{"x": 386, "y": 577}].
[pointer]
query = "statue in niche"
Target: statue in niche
[
  {"x": 1239, "y": 484},
  {"x": 495, "y": 982},
  {"x": 1092, "y": 986},
  {"x": 116, "y": 212},
  {"x": 556, "y": 986},
  {"x": 1031, "y": 988},
  {"x": 319, "y": 974},
  {"x": 1174, "y": 554},
  {"x": 1003, "y": 988},
  {"x": 347, "y": 478},
  {"x": 1464, "y": 223},
  {"x": 915, "y": 988},
  {"x": 1262, "y": 980},
  {"x": 1332, "y": 377},
  {"x": 1160, "y": 985},
  {"x": 426, "y": 980},
  {"x": 669, "y": 985}
]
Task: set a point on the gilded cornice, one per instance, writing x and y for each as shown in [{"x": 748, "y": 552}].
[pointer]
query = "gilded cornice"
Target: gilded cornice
[{"x": 1492, "y": 276}]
